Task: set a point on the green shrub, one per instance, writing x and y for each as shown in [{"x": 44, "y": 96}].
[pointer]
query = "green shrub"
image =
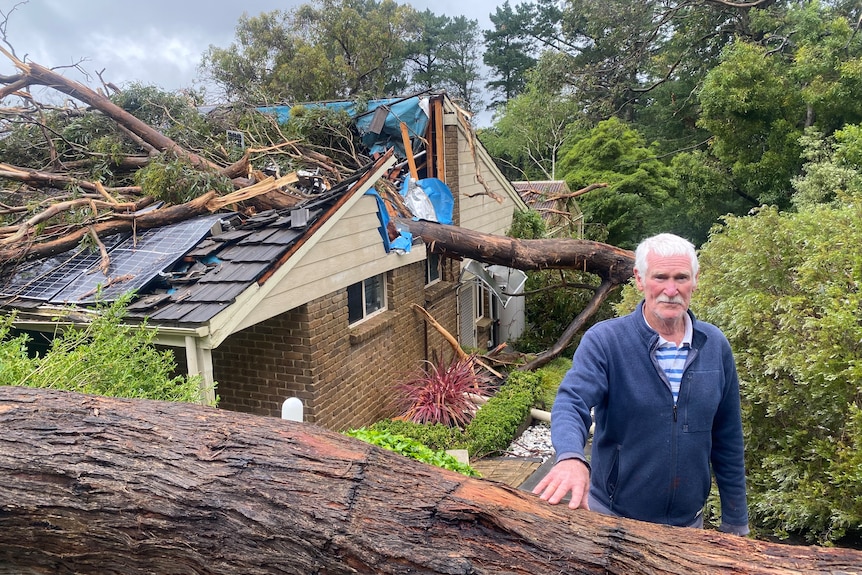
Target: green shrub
[
  {"x": 411, "y": 448},
  {"x": 786, "y": 289},
  {"x": 104, "y": 357},
  {"x": 496, "y": 423},
  {"x": 436, "y": 436},
  {"x": 551, "y": 375}
]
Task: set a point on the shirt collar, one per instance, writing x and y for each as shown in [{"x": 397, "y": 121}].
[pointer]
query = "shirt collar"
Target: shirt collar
[{"x": 686, "y": 339}]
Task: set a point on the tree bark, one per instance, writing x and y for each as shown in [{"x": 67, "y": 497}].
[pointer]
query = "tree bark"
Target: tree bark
[
  {"x": 100, "y": 485},
  {"x": 612, "y": 264},
  {"x": 63, "y": 181},
  {"x": 606, "y": 261},
  {"x": 153, "y": 219}
]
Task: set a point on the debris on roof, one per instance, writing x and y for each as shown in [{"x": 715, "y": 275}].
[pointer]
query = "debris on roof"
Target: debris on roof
[
  {"x": 185, "y": 272},
  {"x": 555, "y": 202},
  {"x": 188, "y": 261}
]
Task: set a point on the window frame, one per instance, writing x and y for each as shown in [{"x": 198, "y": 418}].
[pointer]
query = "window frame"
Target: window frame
[
  {"x": 370, "y": 308},
  {"x": 478, "y": 301},
  {"x": 433, "y": 263}
]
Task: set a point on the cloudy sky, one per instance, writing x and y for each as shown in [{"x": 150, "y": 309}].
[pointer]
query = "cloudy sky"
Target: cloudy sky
[{"x": 157, "y": 42}]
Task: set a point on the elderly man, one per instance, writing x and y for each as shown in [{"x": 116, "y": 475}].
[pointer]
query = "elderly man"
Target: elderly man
[{"x": 665, "y": 395}]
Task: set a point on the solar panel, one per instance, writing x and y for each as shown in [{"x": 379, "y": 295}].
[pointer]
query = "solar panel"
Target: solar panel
[
  {"x": 135, "y": 261},
  {"x": 44, "y": 279}
]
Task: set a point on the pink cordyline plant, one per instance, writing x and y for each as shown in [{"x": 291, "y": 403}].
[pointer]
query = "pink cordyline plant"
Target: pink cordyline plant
[{"x": 440, "y": 393}]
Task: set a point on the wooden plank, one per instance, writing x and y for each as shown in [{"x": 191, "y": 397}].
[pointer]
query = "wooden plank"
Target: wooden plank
[
  {"x": 430, "y": 149},
  {"x": 408, "y": 149},
  {"x": 439, "y": 147}
]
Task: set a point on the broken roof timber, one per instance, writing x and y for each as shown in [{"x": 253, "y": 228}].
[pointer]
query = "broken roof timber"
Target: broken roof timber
[{"x": 246, "y": 309}]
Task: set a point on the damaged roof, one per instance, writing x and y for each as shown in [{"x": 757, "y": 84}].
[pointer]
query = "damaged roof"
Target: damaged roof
[{"x": 184, "y": 273}]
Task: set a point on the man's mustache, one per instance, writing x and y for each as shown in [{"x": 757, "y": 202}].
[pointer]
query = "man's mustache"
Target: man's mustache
[{"x": 674, "y": 299}]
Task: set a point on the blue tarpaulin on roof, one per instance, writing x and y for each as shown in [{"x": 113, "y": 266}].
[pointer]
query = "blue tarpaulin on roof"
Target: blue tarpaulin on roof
[
  {"x": 428, "y": 199},
  {"x": 400, "y": 244},
  {"x": 411, "y": 111}
]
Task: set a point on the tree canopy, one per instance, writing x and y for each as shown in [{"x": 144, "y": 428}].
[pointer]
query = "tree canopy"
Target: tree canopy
[
  {"x": 325, "y": 50},
  {"x": 334, "y": 49}
]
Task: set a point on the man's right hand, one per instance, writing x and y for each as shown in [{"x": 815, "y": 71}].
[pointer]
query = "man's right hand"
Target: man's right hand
[{"x": 567, "y": 476}]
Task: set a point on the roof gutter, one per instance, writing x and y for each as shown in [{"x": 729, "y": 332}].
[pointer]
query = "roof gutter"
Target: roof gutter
[{"x": 169, "y": 336}]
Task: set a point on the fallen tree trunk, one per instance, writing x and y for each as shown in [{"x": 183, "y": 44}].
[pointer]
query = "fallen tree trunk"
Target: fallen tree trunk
[
  {"x": 606, "y": 261},
  {"x": 612, "y": 264},
  {"x": 36, "y": 74},
  {"x": 37, "y": 178},
  {"x": 599, "y": 296},
  {"x": 145, "y": 221},
  {"x": 99, "y": 485}
]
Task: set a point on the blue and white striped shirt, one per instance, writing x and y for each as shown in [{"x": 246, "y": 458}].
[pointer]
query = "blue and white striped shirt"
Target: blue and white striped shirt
[{"x": 671, "y": 358}]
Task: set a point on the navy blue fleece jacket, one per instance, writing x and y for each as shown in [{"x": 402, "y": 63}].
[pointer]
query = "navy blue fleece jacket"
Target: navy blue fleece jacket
[{"x": 651, "y": 460}]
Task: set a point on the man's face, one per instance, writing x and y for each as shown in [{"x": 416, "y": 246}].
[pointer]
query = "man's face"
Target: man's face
[{"x": 667, "y": 287}]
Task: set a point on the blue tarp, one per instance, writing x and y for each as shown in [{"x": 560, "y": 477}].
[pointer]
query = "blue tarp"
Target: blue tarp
[
  {"x": 411, "y": 111},
  {"x": 430, "y": 198},
  {"x": 402, "y": 243}
]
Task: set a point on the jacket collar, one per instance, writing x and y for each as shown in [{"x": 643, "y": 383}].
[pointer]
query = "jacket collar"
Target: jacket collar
[{"x": 651, "y": 336}]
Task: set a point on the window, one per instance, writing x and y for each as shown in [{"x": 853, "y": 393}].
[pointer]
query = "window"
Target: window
[
  {"x": 366, "y": 298},
  {"x": 478, "y": 300},
  {"x": 432, "y": 268}
]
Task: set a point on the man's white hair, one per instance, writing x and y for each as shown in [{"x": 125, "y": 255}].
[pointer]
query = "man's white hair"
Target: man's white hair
[{"x": 665, "y": 245}]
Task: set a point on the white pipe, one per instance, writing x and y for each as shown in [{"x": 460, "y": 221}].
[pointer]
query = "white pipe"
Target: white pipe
[{"x": 541, "y": 415}]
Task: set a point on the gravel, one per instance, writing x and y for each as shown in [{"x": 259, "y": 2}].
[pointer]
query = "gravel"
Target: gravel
[{"x": 534, "y": 442}]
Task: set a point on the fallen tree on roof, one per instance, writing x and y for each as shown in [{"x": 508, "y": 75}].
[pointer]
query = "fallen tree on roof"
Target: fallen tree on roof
[
  {"x": 101, "y": 485},
  {"x": 614, "y": 266},
  {"x": 67, "y": 165},
  {"x": 33, "y": 74},
  {"x": 98, "y": 209}
]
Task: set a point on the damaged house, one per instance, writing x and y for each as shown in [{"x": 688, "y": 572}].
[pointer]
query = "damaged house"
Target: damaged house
[{"x": 314, "y": 300}]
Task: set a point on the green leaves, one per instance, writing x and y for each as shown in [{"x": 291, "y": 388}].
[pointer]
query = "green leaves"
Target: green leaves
[
  {"x": 104, "y": 358},
  {"x": 412, "y": 449},
  {"x": 639, "y": 199},
  {"x": 444, "y": 55},
  {"x": 176, "y": 181},
  {"x": 496, "y": 422},
  {"x": 322, "y": 50},
  {"x": 785, "y": 289}
]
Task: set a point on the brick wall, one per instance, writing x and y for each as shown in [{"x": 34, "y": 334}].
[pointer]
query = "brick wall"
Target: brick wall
[
  {"x": 343, "y": 375},
  {"x": 259, "y": 367}
]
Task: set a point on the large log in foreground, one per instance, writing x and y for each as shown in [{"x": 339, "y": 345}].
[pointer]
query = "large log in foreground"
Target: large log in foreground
[{"x": 97, "y": 485}]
